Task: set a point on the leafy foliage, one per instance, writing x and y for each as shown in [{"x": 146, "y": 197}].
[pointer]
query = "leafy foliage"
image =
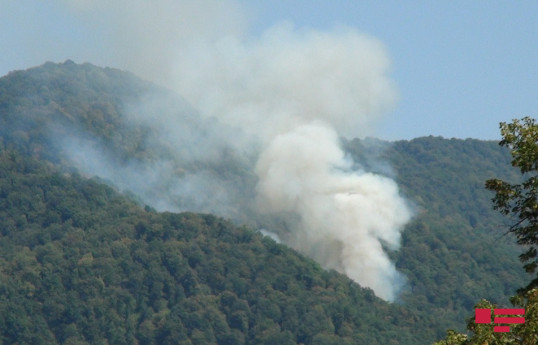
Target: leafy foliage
[
  {"x": 521, "y": 136},
  {"x": 520, "y": 200},
  {"x": 82, "y": 264},
  {"x": 520, "y": 334}
]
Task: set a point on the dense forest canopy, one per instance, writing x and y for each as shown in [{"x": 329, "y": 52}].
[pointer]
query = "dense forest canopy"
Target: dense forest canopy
[
  {"x": 518, "y": 200},
  {"x": 82, "y": 264},
  {"x": 86, "y": 257}
]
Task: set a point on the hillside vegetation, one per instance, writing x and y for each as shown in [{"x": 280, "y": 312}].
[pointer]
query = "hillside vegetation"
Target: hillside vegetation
[
  {"x": 453, "y": 252},
  {"x": 82, "y": 263}
]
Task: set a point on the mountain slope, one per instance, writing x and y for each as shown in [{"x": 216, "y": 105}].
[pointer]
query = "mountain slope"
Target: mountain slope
[
  {"x": 62, "y": 123},
  {"x": 82, "y": 264},
  {"x": 453, "y": 252},
  {"x": 44, "y": 102}
]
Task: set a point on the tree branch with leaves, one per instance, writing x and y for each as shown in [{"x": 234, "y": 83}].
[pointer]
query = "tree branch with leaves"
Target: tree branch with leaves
[{"x": 520, "y": 200}]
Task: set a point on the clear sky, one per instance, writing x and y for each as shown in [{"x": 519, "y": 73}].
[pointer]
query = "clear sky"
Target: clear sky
[{"x": 460, "y": 67}]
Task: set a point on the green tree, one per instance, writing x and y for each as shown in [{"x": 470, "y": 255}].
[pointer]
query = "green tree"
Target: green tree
[
  {"x": 483, "y": 334},
  {"x": 520, "y": 200}
]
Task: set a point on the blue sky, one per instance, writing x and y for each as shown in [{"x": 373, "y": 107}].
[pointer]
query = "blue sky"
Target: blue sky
[{"x": 460, "y": 67}]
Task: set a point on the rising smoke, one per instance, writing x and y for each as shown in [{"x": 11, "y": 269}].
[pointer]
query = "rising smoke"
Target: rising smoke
[{"x": 283, "y": 98}]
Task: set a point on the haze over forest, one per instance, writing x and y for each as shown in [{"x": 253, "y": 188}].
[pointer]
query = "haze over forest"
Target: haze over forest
[
  {"x": 198, "y": 177},
  {"x": 409, "y": 220}
]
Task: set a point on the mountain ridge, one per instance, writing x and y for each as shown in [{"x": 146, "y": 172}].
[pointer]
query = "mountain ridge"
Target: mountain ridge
[{"x": 442, "y": 253}]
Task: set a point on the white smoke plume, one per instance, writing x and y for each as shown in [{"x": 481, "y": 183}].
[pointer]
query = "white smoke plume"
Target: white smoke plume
[
  {"x": 291, "y": 93},
  {"x": 346, "y": 216}
]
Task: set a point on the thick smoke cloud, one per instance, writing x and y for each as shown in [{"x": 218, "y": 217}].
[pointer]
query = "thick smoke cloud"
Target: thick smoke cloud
[
  {"x": 284, "y": 98},
  {"x": 289, "y": 77},
  {"x": 346, "y": 217}
]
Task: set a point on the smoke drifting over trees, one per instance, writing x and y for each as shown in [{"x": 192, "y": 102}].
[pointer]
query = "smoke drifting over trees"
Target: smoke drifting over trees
[{"x": 275, "y": 105}]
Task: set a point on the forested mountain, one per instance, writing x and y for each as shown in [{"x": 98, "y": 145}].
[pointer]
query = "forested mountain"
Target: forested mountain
[
  {"x": 453, "y": 252},
  {"x": 81, "y": 262}
]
